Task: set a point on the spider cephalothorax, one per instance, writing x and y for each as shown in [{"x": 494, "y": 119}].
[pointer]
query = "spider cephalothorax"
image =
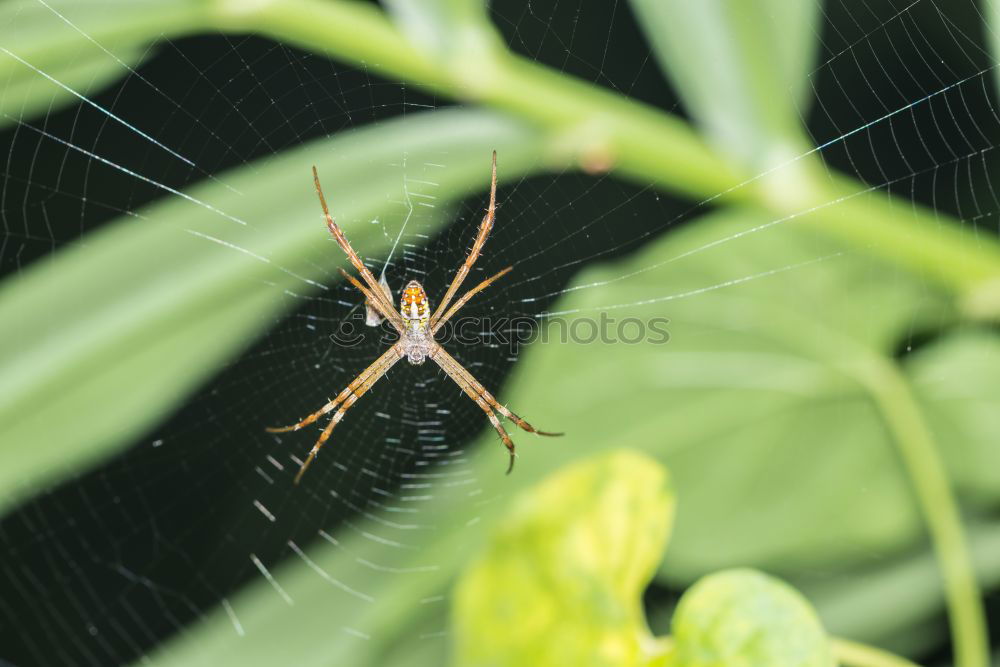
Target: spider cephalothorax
[{"x": 416, "y": 326}]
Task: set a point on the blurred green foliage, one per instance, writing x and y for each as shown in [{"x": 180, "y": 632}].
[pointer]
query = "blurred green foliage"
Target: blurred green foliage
[{"x": 796, "y": 439}]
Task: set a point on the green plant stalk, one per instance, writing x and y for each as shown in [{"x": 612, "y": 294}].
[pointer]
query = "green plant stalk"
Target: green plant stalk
[
  {"x": 854, "y": 654},
  {"x": 926, "y": 471},
  {"x": 611, "y": 128},
  {"x": 878, "y": 591},
  {"x": 604, "y": 130}
]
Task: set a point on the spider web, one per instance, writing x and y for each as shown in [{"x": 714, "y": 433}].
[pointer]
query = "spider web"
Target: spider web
[{"x": 101, "y": 567}]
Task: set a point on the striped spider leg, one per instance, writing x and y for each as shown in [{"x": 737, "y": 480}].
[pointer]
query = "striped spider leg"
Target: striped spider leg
[
  {"x": 377, "y": 298},
  {"x": 345, "y": 400},
  {"x": 477, "y": 392},
  {"x": 477, "y": 246},
  {"x": 368, "y": 377},
  {"x": 417, "y": 328}
]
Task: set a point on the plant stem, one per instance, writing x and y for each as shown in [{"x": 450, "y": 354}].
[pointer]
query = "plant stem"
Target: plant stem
[
  {"x": 883, "y": 380},
  {"x": 855, "y": 654},
  {"x": 605, "y": 130},
  {"x": 611, "y": 127},
  {"x": 926, "y": 471}
]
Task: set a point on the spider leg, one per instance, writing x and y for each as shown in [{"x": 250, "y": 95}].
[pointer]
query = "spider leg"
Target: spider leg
[
  {"x": 444, "y": 359},
  {"x": 502, "y": 409},
  {"x": 484, "y": 230},
  {"x": 507, "y": 442},
  {"x": 393, "y": 316},
  {"x": 345, "y": 245},
  {"x": 468, "y": 295},
  {"x": 362, "y": 383},
  {"x": 485, "y": 406},
  {"x": 351, "y": 399},
  {"x": 477, "y": 392}
]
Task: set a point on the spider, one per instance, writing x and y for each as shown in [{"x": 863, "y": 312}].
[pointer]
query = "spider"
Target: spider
[{"x": 417, "y": 328}]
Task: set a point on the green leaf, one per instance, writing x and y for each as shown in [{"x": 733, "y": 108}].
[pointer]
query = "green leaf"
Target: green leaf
[
  {"x": 564, "y": 572},
  {"x": 27, "y": 93},
  {"x": 742, "y": 68},
  {"x": 745, "y": 618},
  {"x": 86, "y": 332},
  {"x": 753, "y": 400},
  {"x": 81, "y": 44}
]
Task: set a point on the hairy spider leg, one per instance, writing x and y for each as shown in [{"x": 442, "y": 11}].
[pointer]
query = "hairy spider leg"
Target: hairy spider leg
[{"x": 477, "y": 246}]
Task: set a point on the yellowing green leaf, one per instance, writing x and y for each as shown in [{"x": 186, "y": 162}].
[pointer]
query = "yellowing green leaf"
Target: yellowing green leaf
[{"x": 561, "y": 581}]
